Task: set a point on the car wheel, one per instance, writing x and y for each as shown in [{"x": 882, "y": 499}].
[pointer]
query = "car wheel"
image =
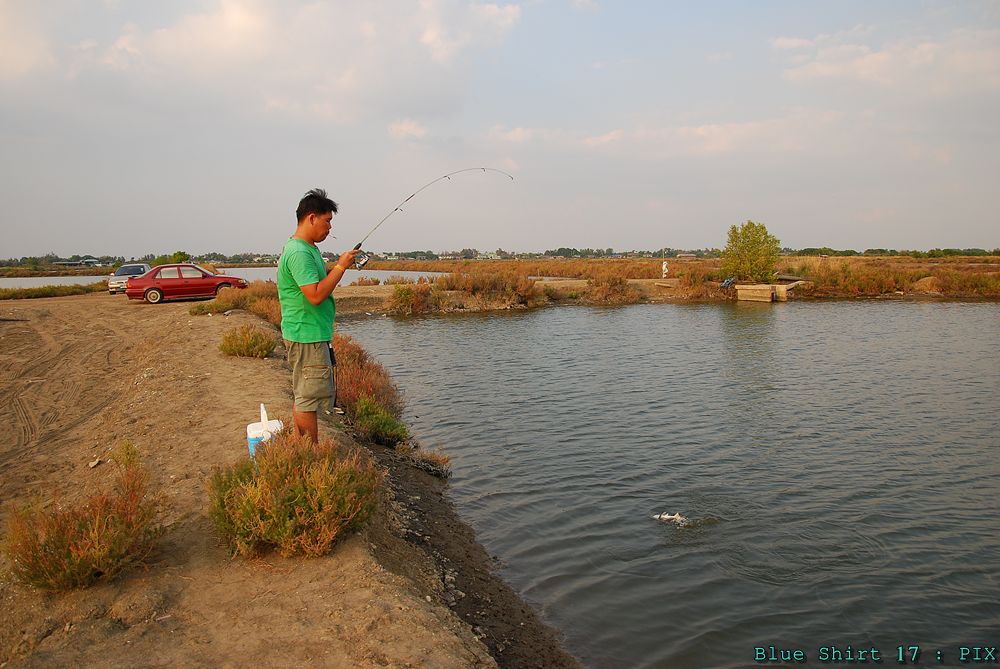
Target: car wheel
[
  {"x": 154, "y": 295},
  {"x": 221, "y": 286}
]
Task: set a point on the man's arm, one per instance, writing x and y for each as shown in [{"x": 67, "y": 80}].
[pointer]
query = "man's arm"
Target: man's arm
[{"x": 317, "y": 292}]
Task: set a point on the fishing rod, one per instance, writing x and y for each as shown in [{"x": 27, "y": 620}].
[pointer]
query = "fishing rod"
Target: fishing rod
[{"x": 362, "y": 258}]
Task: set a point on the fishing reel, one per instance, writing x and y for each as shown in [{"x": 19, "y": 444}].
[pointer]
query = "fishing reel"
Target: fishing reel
[{"x": 362, "y": 258}]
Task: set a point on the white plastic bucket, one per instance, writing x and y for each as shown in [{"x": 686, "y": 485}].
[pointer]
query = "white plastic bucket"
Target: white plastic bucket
[{"x": 262, "y": 431}]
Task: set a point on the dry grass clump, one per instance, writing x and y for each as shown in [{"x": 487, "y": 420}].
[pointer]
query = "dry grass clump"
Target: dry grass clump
[
  {"x": 366, "y": 281},
  {"x": 509, "y": 287},
  {"x": 295, "y": 496},
  {"x": 359, "y": 375},
  {"x": 413, "y": 299},
  {"x": 52, "y": 291},
  {"x": 396, "y": 279},
  {"x": 75, "y": 546},
  {"x": 607, "y": 288},
  {"x": 236, "y": 298},
  {"x": 268, "y": 308},
  {"x": 432, "y": 462},
  {"x": 248, "y": 341},
  {"x": 261, "y": 289}
]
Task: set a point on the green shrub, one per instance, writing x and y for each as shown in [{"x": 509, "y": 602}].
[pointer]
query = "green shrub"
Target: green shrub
[
  {"x": 297, "y": 496},
  {"x": 375, "y": 422},
  {"x": 751, "y": 253},
  {"x": 413, "y": 299},
  {"x": 77, "y": 545},
  {"x": 248, "y": 341}
]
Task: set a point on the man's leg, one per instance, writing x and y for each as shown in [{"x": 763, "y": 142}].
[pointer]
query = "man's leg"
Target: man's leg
[{"x": 305, "y": 423}]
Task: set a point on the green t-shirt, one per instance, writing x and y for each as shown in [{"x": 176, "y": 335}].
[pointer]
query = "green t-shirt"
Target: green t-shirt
[{"x": 300, "y": 265}]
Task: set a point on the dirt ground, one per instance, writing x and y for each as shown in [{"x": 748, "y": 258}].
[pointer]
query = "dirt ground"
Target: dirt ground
[{"x": 79, "y": 374}]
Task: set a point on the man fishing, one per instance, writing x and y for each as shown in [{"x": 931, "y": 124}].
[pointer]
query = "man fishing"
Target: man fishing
[{"x": 305, "y": 291}]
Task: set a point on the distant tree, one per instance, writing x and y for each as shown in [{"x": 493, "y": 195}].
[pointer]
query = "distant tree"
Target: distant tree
[{"x": 751, "y": 253}]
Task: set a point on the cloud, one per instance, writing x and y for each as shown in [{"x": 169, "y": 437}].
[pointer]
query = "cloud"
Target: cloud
[
  {"x": 791, "y": 43},
  {"x": 24, "y": 47},
  {"x": 607, "y": 138},
  {"x": 514, "y": 135},
  {"x": 965, "y": 60},
  {"x": 587, "y": 5},
  {"x": 380, "y": 62},
  {"x": 407, "y": 129},
  {"x": 450, "y": 30}
]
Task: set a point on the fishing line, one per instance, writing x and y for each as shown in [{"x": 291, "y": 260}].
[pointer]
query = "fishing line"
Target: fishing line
[{"x": 362, "y": 258}]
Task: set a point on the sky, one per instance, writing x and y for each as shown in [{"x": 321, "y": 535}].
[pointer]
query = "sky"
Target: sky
[{"x": 129, "y": 127}]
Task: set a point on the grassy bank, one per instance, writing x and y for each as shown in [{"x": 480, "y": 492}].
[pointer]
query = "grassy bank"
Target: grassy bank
[{"x": 51, "y": 291}]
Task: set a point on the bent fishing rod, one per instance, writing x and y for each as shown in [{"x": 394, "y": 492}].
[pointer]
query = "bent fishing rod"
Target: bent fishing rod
[{"x": 362, "y": 258}]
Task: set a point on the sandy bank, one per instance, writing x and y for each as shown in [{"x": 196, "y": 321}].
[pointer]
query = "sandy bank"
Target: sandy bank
[{"x": 81, "y": 373}]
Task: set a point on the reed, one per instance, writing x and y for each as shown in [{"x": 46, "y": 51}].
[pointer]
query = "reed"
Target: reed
[{"x": 366, "y": 281}]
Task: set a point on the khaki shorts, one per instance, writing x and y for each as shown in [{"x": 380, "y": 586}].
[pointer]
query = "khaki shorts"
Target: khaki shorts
[{"x": 314, "y": 376}]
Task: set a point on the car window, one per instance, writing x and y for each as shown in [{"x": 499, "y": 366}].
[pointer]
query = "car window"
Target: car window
[
  {"x": 129, "y": 270},
  {"x": 190, "y": 273},
  {"x": 169, "y": 273}
]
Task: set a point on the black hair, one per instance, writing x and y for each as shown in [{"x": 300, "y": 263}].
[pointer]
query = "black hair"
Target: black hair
[{"x": 315, "y": 202}]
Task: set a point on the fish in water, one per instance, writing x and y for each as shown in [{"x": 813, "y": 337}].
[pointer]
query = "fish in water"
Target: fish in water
[{"x": 671, "y": 518}]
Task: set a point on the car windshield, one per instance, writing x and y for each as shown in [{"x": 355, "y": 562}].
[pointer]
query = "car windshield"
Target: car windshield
[{"x": 130, "y": 270}]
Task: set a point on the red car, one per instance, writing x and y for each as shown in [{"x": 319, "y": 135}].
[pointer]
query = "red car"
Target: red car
[{"x": 168, "y": 282}]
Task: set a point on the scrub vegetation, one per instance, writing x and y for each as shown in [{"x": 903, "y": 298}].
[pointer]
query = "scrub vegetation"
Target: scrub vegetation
[
  {"x": 236, "y": 298},
  {"x": 611, "y": 289},
  {"x": 414, "y": 299},
  {"x": 831, "y": 277},
  {"x": 871, "y": 277},
  {"x": 295, "y": 496},
  {"x": 52, "y": 291},
  {"x": 75, "y": 545},
  {"x": 359, "y": 375},
  {"x": 365, "y": 281},
  {"x": 248, "y": 341}
]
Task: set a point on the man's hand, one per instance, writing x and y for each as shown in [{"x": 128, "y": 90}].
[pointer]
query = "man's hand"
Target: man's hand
[
  {"x": 317, "y": 292},
  {"x": 346, "y": 259}
]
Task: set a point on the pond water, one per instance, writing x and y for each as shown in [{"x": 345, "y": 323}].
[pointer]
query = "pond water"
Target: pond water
[
  {"x": 837, "y": 463},
  {"x": 249, "y": 273}
]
